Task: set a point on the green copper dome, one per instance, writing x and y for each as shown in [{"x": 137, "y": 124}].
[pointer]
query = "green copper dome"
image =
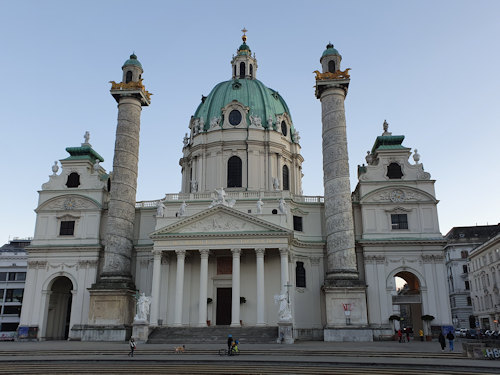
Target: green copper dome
[
  {"x": 330, "y": 50},
  {"x": 132, "y": 61},
  {"x": 263, "y": 101}
]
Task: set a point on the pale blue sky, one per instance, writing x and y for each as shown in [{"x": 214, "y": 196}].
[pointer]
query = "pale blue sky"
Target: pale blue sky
[{"x": 431, "y": 68}]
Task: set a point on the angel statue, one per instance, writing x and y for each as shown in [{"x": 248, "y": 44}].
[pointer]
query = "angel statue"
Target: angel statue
[
  {"x": 285, "y": 314},
  {"x": 143, "y": 303}
]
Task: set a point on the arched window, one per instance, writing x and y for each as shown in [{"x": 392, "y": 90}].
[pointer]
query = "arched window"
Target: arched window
[
  {"x": 234, "y": 71},
  {"x": 242, "y": 69},
  {"x": 73, "y": 180},
  {"x": 394, "y": 171},
  {"x": 251, "y": 71},
  {"x": 300, "y": 275},
  {"x": 286, "y": 185},
  {"x": 331, "y": 66},
  {"x": 128, "y": 76},
  {"x": 234, "y": 172}
]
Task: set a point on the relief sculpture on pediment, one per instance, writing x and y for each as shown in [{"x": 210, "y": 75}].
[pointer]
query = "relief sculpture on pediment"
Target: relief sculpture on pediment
[{"x": 220, "y": 223}]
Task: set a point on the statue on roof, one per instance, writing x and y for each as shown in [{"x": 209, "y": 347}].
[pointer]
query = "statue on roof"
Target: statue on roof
[
  {"x": 386, "y": 127},
  {"x": 86, "y": 137}
]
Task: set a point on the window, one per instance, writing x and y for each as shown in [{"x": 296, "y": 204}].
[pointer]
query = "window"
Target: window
[
  {"x": 234, "y": 172},
  {"x": 128, "y": 76},
  {"x": 469, "y": 301},
  {"x": 3, "y": 276},
  {"x": 394, "y": 171},
  {"x": 234, "y": 117},
  {"x": 300, "y": 275},
  {"x": 399, "y": 221},
  {"x": 465, "y": 269},
  {"x": 467, "y": 285},
  {"x": 73, "y": 180},
  {"x": 286, "y": 185},
  {"x": 242, "y": 70},
  {"x": 17, "y": 276},
  {"x": 1, "y": 295},
  {"x": 224, "y": 265},
  {"x": 464, "y": 254},
  {"x": 234, "y": 71},
  {"x": 67, "y": 228},
  {"x": 331, "y": 66},
  {"x": 251, "y": 71},
  {"x": 12, "y": 310},
  {"x": 297, "y": 223},
  {"x": 9, "y": 327},
  {"x": 284, "y": 129},
  {"x": 14, "y": 295}
]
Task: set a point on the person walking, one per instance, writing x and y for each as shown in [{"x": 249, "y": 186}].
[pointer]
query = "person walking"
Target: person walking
[
  {"x": 421, "y": 334},
  {"x": 442, "y": 341},
  {"x": 400, "y": 335},
  {"x": 407, "y": 334},
  {"x": 132, "y": 347},
  {"x": 450, "y": 336}
]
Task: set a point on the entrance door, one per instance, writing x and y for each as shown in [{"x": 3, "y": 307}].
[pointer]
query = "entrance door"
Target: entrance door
[
  {"x": 224, "y": 298},
  {"x": 59, "y": 310}
]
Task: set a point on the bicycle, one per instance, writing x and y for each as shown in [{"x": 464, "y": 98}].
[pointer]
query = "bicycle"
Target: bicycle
[{"x": 223, "y": 352}]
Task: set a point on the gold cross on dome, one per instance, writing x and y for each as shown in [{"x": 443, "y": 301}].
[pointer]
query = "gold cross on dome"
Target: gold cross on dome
[{"x": 244, "y": 30}]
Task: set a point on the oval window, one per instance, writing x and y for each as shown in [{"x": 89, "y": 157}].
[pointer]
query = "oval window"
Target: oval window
[
  {"x": 234, "y": 117},
  {"x": 284, "y": 129}
]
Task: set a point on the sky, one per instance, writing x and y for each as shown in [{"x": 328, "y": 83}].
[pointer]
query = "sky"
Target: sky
[{"x": 430, "y": 68}]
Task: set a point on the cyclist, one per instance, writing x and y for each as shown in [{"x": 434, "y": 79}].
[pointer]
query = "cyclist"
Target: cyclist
[{"x": 229, "y": 344}]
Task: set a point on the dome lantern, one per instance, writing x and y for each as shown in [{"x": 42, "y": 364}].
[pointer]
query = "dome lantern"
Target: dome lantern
[
  {"x": 244, "y": 66},
  {"x": 330, "y": 59}
]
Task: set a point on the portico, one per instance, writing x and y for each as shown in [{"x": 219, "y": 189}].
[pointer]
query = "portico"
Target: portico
[{"x": 222, "y": 248}]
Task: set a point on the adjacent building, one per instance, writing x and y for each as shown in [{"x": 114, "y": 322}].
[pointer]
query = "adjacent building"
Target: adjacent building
[
  {"x": 13, "y": 265},
  {"x": 484, "y": 275},
  {"x": 460, "y": 241}
]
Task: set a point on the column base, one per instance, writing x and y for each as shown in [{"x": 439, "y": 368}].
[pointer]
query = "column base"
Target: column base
[
  {"x": 95, "y": 332},
  {"x": 110, "y": 306},
  {"x": 345, "y": 302}
]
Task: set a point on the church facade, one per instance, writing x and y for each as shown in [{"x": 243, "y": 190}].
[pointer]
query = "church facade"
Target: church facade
[{"x": 240, "y": 235}]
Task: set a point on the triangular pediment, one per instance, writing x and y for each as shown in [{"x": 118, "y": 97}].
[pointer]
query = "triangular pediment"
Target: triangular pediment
[{"x": 220, "y": 220}]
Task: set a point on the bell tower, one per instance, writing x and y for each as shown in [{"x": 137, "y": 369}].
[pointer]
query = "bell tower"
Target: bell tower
[
  {"x": 111, "y": 298},
  {"x": 345, "y": 294}
]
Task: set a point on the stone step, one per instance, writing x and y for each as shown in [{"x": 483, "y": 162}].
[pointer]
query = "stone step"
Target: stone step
[{"x": 216, "y": 335}]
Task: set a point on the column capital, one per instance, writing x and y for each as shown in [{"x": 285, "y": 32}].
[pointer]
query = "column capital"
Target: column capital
[
  {"x": 283, "y": 251},
  {"x": 180, "y": 253},
  {"x": 204, "y": 253},
  {"x": 157, "y": 253},
  {"x": 260, "y": 251},
  {"x": 236, "y": 252}
]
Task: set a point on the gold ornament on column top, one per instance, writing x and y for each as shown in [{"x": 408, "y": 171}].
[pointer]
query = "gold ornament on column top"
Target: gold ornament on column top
[
  {"x": 328, "y": 75},
  {"x": 130, "y": 86}
]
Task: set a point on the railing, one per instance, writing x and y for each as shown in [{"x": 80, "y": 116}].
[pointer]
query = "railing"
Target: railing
[{"x": 237, "y": 195}]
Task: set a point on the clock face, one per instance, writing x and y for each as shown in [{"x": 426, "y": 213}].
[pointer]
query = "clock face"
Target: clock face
[{"x": 397, "y": 196}]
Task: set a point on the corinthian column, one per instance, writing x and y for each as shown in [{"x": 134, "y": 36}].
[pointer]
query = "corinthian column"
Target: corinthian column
[{"x": 235, "y": 304}]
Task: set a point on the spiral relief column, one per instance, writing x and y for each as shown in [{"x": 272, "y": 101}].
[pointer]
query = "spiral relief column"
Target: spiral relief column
[
  {"x": 111, "y": 298},
  {"x": 342, "y": 286}
]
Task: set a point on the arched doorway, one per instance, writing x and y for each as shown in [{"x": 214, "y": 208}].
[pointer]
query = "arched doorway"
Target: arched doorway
[
  {"x": 409, "y": 300},
  {"x": 59, "y": 310}
]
